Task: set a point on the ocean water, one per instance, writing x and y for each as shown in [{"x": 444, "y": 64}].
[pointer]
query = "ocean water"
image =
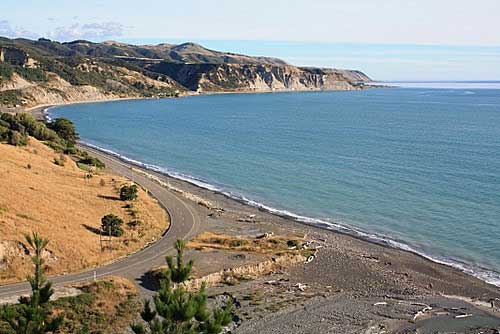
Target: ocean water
[{"x": 414, "y": 168}]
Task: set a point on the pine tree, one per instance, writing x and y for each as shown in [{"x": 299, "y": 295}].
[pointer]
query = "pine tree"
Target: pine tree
[
  {"x": 179, "y": 311},
  {"x": 31, "y": 315}
]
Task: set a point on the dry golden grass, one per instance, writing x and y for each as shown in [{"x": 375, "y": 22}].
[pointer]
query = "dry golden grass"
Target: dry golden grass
[
  {"x": 262, "y": 245},
  {"x": 105, "y": 306},
  {"x": 57, "y": 202}
]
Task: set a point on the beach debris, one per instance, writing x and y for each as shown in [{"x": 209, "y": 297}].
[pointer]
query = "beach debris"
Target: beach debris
[
  {"x": 310, "y": 258},
  {"x": 380, "y": 303},
  {"x": 266, "y": 235},
  {"x": 371, "y": 258},
  {"x": 308, "y": 244},
  {"x": 442, "y": 313},
  {"x": 465, "y": 315},
  {"x": 421, "y": 312},
  {"x": 245, "y": 220}
]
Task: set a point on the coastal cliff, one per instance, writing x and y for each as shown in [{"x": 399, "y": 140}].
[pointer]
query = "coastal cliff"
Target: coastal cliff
[
  {"x": 258, "y": 78},
  {"x": 49, "y": 72}
]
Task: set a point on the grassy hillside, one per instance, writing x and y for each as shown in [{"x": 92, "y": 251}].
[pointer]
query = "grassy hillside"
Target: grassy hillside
[{"x": 47, "y": 192}]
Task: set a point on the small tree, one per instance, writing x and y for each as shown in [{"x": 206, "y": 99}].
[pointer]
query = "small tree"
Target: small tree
[
  {"x": 65, "y": 129},
  {"x": 128, "y": 193},
  {"x": 111, "y": 224},
  {"x": 31, "y": 315},
  {"x": 179, "y": 311}
]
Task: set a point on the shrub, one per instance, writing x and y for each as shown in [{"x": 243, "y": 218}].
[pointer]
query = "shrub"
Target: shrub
[
  {"x": 5, "y": 72},
  {"x": 31, "y": 74},
  {"x": 65, "y": 129},
  {"x": 111, "y": 224},
  {"x": 17, "y": 138},
  {"x": 128, "y": 193},
  {"x": 293, "y": 243},
  {"x": 58, "y": 162},
  {"x": 70, "y": 150},
  {"x": 11, "y": 97},
  {"x": 93, "y": 162},
  {"x": 4, "y": 133},
  {"x": 27, "y": 125}
]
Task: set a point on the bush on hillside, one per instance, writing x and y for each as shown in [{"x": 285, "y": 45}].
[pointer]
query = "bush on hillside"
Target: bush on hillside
[
  {"x": 128, "y": 193},
  {"x": 11, "y": 97},
  {"x": 26, "y": 125},
  {"x": 92, "y": 161},
  {"x": 111, "y": 225},
  {"x": 31, "y": 74},
  {"x": 17, "y": 138},
  {"x": 5, "y": 72},
  {"x": 65, "y": 129},
  {"x": 60, "y": 161}
]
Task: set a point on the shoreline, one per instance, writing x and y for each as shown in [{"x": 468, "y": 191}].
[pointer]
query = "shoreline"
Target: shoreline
[
  {"x": 348, "y": 231},
  {"x": 348, "y": 272},
  {"x": 486, "y": 275},
  {"x": 38, "y": 111}
]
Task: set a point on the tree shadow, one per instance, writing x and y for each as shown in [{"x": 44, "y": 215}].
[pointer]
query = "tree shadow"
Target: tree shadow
[
  {"x": 113, "y": 198},
  {"x": 92, "y": 229},
  {"x": 149, "y": 282}
]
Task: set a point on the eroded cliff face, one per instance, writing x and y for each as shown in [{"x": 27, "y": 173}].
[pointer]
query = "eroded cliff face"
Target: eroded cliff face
[
  {"x": 50, "y": 72},
  {"x": 258, "y": 78}
]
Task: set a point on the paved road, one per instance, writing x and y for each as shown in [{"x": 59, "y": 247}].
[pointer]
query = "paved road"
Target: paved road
[{"x": 184, "y": 223}]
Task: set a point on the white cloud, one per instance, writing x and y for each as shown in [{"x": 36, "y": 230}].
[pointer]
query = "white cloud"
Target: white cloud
[
  {"x": 90, "y": 31},
  {"x": 7, "y": 30}
]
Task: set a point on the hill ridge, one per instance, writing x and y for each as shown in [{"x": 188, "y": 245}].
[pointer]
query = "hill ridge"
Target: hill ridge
[{"x": 43, "y": 71}]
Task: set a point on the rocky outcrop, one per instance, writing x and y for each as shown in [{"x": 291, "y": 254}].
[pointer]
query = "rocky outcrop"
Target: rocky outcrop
[{"x": 258, "y": 78}]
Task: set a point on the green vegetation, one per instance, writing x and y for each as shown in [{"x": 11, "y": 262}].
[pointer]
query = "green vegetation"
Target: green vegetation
[
  {"x": 17, "y": 138},
  {"x": 177, "y": 310},
  {"x": 6, "y": 71},
  {"x": 15, "y": 129},
  {"x": 31, "y": 315},
  {"x": 92, "y": 161},
  {"x": 31, "y": 74},
  {"x": 293, "y": 243},
  {"x": 11, "y": 97},
  {"x": 112, "y": 225},
  {"x": 128, "y": 193},
  {"x": 65, "y": 129},
  {"x": 60, "y": 161}
]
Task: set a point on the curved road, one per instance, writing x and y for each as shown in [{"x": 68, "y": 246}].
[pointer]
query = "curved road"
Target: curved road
[{"x": 184, "y": 223}]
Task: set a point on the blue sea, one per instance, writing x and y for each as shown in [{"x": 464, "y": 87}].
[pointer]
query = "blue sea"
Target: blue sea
[{"x": 415, "y": 168}]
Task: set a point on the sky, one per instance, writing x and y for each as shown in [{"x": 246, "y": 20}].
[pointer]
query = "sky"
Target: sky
[{"x": 387, "y": 39}]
